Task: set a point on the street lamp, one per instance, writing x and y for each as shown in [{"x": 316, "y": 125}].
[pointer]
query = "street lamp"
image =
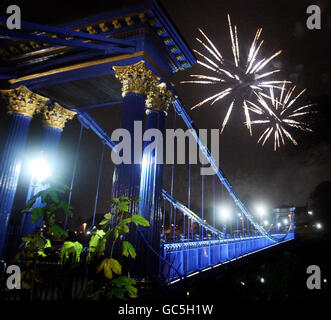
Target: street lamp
[
  {"x": 40, "y": 169},
  {"x": 225, "y": 215},
  {"x": 261, "y": 210}
]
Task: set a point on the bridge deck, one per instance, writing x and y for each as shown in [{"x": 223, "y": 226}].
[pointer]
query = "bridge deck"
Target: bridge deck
[{"x": 192, "y": 257}]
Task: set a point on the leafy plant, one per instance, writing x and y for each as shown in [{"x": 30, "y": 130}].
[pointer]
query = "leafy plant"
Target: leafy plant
[
  {"x": 37, "y": 244},
  {"x": 114, "y": 284},
  {"x": 52, "y": 205}
]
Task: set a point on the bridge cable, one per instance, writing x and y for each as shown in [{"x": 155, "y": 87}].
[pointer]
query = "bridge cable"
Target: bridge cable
[
  {"x": 98, "y": 184},
  {"x": 74, "y": 170}
]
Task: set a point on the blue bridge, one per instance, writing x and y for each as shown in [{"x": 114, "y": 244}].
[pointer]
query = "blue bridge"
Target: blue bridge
[{"x": 63, "y": 77}]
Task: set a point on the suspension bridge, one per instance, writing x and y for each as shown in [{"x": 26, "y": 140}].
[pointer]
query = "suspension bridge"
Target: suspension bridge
[{"x": 121, "y": 59}]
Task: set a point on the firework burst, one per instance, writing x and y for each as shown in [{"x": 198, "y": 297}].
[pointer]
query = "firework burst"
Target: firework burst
[
  {"x": 278, "y": 113},
  {"x": 236, "y": 78}
]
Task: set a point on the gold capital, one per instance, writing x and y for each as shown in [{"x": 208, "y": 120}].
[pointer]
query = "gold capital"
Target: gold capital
[
  {"x": 22, "y": 100},
  {"x": 159, "y": 98},
  {"x": 56, "y": 116},
  {"x": 135, "y": 78}
]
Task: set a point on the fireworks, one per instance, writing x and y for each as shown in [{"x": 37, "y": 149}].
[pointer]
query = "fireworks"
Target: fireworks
[
  {"x": 237, "y": 78},
  {"x": 279, "y": 112}
]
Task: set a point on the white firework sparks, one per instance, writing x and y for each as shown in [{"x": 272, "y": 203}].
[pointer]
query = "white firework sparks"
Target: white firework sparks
[
  {"x": 236, "y": 78},
  {"x": 279, "y": 113}
]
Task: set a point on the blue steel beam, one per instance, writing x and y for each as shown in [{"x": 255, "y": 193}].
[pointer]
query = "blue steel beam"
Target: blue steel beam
[
  {"x": 89, "y": 123},
  {"x": 63, "y": 42},
  {"x": 100, "y": 105},
  {"x": 70, "y": 33},
  {"x": 180, "y": 109},
  {"x": 187, "y": 212}
]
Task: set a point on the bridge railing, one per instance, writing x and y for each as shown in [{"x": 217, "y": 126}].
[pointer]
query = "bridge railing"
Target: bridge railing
[{"x": 189, "y": 258}]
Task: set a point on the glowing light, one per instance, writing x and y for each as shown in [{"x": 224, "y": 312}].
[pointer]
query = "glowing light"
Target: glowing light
[
  {"x": 278, "y": 116},
  {"x": 318, "y": 225},
  {"x": 285, "y": 221},
  {"x": 261, "y": 210},
  {"x": 236, "y": 79},
  {"x": 225, "y": 213},
  {"x": 262, "y": 280},
  {"x": 310, "y": 213},
  {"x": 242, "y": 283},
  {"x": 40, "y": 170},
  {"x": 266, "y": 222}
]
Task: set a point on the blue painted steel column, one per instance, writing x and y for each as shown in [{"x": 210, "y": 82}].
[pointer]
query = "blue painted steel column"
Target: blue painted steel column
[
  {"x": 126, "y": 178},
  {"x": 136, "y": 82},
  {"x": 151, "y": 182},
  {"x": 22, "y": 104},
  {"x": 54, "y": 119},
  {"x": 151, "y": 175}
]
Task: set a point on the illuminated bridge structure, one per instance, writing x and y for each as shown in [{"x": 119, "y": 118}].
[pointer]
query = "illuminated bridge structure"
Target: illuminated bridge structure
[{"x": 123, "y": 59}]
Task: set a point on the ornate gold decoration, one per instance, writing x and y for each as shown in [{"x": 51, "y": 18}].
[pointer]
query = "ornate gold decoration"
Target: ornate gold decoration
[
  {"x": 129, "y": 21},
  {"x": 142, "y": 17},
  {"x": 160, "y": 98},
  {"x": 116, "y": 24},
  {"x": 22, "y": 100},
  {"x": 56, "y": 116},
  {"x": 103, "y": 27},
  {"x": 135, "y": 78},
  {"x": 91, "y": 30}
]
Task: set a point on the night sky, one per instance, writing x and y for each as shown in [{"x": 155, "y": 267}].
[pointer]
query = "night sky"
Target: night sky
[
  {"x": 285, "y": 177},
  {"x": 260, "y": 174}
]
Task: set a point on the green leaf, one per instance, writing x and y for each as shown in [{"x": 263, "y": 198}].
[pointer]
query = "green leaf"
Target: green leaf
[
  {"x": 107, "y": 216},
  {"x": 126, "y": 220},
  {"x": 123, "y": 281},
  {"x": 123, "y": 206},
  {"x": 128, "y": 249},
  {"x": 133, "y": 291},
  {"x": 115, "y": 266},
  {"x": 106, "y": 219},
  {"x": 58, "y": 231},
  {"x": 53, "y": 194},
  {"x": 103, "y": 222},
  {"x": 107, "y": 269},
  {"x": 37, "y": 213},
  {"x": 138, "y": 219},
  {"x": 66, "y": 208},
  {"x": 123, "y": 198},
  {"x": 109, "y": 266}
]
